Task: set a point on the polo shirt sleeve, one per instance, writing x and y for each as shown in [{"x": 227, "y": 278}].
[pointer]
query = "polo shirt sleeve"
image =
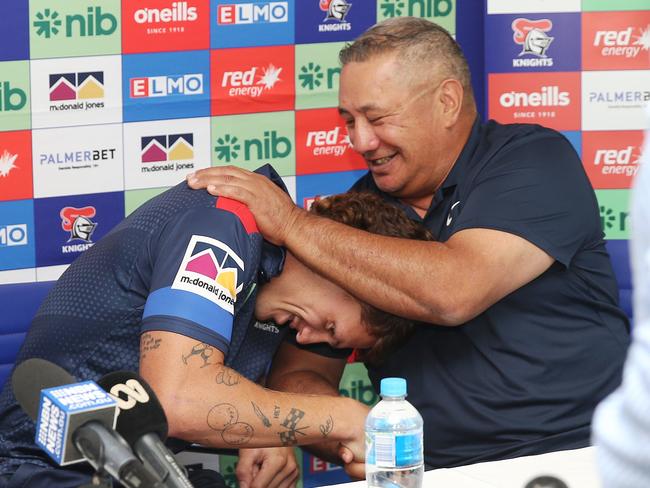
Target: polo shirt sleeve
[
  {"x": 201, "y": 262},
  {"x": 536, "y": 188}
]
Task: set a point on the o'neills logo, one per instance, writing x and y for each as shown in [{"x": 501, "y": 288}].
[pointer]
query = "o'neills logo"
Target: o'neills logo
[
  {"x": 178, "y": 12},
  {"x": 548, "y": 96},
  {"x": 211, "y": 269}
]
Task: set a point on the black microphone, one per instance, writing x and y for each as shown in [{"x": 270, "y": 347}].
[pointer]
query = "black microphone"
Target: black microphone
[
  {"x": 142, "y": 421},
  {"x": 75, "y": 422}
]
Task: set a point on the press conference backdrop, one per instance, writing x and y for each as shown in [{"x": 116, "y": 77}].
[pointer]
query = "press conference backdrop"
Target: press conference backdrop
[{"x": 106, "y": 103}]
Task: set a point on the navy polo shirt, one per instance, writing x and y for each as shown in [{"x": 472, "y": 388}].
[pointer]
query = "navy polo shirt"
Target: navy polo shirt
[{"x": 524, "y": 376}]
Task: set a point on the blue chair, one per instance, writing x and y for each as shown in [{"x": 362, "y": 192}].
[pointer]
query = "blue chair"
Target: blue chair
[{"x": 19, "y": 303}]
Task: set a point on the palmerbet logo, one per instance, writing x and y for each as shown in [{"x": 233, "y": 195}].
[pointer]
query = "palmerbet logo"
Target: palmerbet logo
[
  {"x": 312, "y": 76},
  {"x": 164, "y": 86},
  {"x": 174, "y": 149},
  {"x": 425, "y": 8},
  {"x": 11, "y": 98},
  {"x": 49, "y": 23},
  {"x": 613, "y": 221},
  {"x": 270, "y": 146}
]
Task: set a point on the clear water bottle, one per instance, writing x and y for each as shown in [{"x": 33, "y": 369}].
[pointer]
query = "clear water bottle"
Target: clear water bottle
[{"x": 394, "y": 450}]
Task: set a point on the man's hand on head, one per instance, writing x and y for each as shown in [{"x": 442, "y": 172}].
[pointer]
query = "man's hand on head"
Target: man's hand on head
[{"x": 274, "y": 211}]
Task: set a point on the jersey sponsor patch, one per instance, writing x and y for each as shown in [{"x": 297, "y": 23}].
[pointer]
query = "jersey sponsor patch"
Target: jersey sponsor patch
[{"x": 211, "y": 269}]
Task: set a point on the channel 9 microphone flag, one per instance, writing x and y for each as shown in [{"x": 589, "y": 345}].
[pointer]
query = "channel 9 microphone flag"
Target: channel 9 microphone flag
[{"x": 61, "y": 407}]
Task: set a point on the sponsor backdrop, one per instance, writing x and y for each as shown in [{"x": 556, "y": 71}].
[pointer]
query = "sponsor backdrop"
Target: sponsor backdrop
[
  {"x": 583, "y": 68},
  {"x": 106, "y": 103}
]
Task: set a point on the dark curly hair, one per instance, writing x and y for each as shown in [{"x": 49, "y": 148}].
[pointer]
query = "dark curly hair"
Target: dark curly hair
[{"x": 369, "y": 212}]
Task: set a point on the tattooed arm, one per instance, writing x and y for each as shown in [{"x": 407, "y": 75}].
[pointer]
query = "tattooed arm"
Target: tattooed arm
[
  {"x": 211, "y": 404},
  {"x": 300, "y": 371}
]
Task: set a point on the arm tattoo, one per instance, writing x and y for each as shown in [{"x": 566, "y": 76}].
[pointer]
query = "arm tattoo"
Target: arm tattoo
[
  {"x": 224, "y": 418},
  {"x": 327, "y": 427},
  {"x": 288, "y": 437},
  {"x": 200, "y": 349},
  {"x": 227, "y": 376},
  {"x": 276, "y": 412},
  {"x": 261, "y": 416},
  {"x": 148, "y": 343}
]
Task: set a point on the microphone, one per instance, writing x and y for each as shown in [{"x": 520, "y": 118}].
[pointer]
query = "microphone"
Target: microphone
[
  {"x": 74, "y": 422},
  {"x": 142, "y": 421}
]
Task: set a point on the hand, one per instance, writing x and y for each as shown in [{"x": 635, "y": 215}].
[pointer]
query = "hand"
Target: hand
[
  {"x": 352, "y": 451},
  {"x": 273, "y": 467},
  {"x": 354, "y": 469},
  {"x": 273, "y": 209}
]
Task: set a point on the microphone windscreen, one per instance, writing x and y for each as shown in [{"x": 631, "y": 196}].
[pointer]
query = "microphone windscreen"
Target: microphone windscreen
[
  {"x": 33, "y": 375},
  {"x": 140, "y": 411}
]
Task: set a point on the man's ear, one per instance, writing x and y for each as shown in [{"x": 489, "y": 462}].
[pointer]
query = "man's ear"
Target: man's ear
[{"x": 450, "y": 95}]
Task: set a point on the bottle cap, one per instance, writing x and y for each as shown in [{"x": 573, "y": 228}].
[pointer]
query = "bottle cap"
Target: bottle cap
[{"x": 392, "y": 387}]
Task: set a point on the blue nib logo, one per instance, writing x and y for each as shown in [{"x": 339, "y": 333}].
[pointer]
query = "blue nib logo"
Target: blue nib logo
[
  {"x": 48, "y": 23},
  {"x": 310, "y": 76},
  {"x": 227, "y": 148}
]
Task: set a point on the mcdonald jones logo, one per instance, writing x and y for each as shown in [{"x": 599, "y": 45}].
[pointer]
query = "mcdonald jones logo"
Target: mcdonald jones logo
[{"x": 74, "y": 86}]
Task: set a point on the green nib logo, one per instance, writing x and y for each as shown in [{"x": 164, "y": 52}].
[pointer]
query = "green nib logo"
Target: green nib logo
[
  {"x": 392, "y": 8},
  {"x": 310, "y": 76},
  {"x": 607, "y": 217},
  {"x": 227, "y": 147},
  {"x": 47, "y": 23}
]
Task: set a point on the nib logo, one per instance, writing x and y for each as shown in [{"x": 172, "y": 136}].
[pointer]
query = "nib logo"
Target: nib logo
[
  {"x": 73, "y": 86},
  {"x": 311, "y": 76},
  {"x": 531, "y": 36},
  {"x": 548, "y": 96},
  {"x": 626, "y": 43},
  {"x": 7, "y": 163},
  {"x": 611, "y": 221},
  {"x": 418, "y": 8},
  {"x": 227, "y": 148},
  {"x": 48, "y": 23},
  {"x": 244, "y": 83},
  {"x": 11, "y": 98},
  {"x": 270, "y": 146}
]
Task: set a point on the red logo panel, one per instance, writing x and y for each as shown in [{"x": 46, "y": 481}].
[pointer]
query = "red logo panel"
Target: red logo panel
[
  {"x": 16, "y": 165},
  {"x": 615, "y": 40},
  {"x": 322, "y": 143},
  {"x": 549, "y": 99},
  {"x": 249, "y": 80},
  {"x": 611, "y": 159},
  {"x": 165, "y": 25}
]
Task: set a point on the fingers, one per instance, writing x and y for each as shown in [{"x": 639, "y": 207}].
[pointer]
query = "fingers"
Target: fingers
[
  {"x": 246, "y": 470},
  {"x": 272, "y": 475},
  {"x": 346, "y": 454},
  {"x": 355, "y": 470},
  {"x": 216, "y": 175}
]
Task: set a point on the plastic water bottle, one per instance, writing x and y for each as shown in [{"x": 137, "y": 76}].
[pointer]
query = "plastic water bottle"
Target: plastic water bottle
[{"x": 394, "y": 450}]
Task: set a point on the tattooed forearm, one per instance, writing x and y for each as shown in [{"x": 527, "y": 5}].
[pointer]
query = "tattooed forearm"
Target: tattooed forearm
[
  {"x": 327, "y": 427},
  {"x": 148, "y": 343},
  {"x": 227, "y": 376},
  {"x": 224, "y": 418},
  {"x": 200, "y": 349},
  {"x": 276, "y": 412},
  {"x": 288, "y": 437},
  {"x": 260, "y": 415}
]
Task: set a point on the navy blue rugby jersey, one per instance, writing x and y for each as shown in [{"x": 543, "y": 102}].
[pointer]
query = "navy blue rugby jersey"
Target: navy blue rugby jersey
[
  {"x": 524, "y": 376},
  {"x": 184, "y": 262}
]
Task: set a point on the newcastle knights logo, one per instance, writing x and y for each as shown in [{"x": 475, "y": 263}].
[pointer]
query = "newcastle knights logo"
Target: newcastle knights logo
[{"x": 532, "y": 36}]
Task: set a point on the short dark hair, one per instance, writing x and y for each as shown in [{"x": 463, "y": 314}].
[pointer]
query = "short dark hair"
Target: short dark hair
[
  {"x": 370, "y": 212},
  {"x": 416, "y": 40}
]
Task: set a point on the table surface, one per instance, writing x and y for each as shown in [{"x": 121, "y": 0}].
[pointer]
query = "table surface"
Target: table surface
[{"x": 577, "y": 468}]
